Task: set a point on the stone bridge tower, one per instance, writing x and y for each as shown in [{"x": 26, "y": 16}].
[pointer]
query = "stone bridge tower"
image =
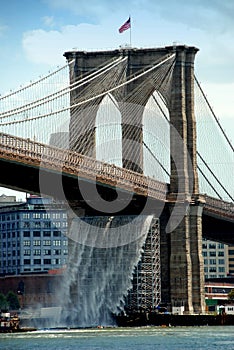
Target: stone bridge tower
[{"x": 182, "y": 280}]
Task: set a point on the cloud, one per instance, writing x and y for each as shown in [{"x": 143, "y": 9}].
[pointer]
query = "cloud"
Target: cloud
[
  {"x": 91, "y": 9},
  {"x": 204, "y": 14},
  {"x": 47, "y": 47},
  {"x": 48, "y": 21}
]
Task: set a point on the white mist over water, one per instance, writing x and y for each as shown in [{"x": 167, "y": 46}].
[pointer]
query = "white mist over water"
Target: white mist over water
[{"x": 103, "y": 252}]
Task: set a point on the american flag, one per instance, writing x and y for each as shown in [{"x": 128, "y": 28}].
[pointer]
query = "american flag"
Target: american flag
[{"x": 125, "y": 26}]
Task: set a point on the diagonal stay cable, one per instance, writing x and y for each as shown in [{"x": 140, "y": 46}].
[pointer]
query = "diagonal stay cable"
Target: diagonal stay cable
[
  {"x": 152, "y": 154},
  {"x": 93, "y": 97},
  {"x": 216, "y": 119},
  {"x": 215, "y": 176},
  {"x": 206, "y": 178}
]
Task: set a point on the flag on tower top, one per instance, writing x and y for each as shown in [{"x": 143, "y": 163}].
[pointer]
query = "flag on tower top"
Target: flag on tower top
[{"x": 125, "y": 26}]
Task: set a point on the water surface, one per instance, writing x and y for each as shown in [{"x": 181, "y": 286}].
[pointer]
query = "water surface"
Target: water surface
[{"x": 144, "y": 338}]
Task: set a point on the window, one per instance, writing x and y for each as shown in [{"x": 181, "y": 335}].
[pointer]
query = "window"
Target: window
[
  {"x": 26, "y": 215},
  {"x": 37, "y": 252},
  {"x": 46, "y": 242},
  {"x": 221, "y": 269},
  {"x": 27, "y": 261},
  {"x": 46, "y": 234},
  {"x": 26, "y": 234},
  {"x": 36, "y": 234},
  {"x": 57, "y": 242},
  {"x": 36, "y": 215},
  {"x": 27, "y": 243},
  {"x": 221, "y": 261},
  {"x": 47, "y": 252},
  {"x": 56, "y": 223},
  {"x": 36, "y": 242},
  {"x": 47, "y": 261},
  {"x": 221, "y": 253},
  {"x": 37, "y": 261},
  {"x": 212, "y": 269},
  {"x": 212, "y": 246},
  {"x": 213, "y": 261},
  {"x": 27, "y": 252},
  {"x": 212, "y": 253},
  {"x": 57, "y": 234},
  {"x": 57, "y": 251}
]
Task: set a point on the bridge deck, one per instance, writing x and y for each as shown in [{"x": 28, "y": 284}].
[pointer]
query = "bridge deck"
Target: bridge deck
[{"x": 69, "y": 162}]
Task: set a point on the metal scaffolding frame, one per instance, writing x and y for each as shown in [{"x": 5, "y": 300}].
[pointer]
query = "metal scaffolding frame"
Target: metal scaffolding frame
[{"x": 145, "y": 294}]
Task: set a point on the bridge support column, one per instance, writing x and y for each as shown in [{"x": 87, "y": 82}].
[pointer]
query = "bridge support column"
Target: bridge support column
[
  {"x": 186, "y": 262},
  {"x": 198, "y": 278},
  {"x": 180, "y": 263}
]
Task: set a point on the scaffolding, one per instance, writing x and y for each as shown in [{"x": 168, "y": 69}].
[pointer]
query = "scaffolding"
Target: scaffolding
[{"x": 145, "y": 294}]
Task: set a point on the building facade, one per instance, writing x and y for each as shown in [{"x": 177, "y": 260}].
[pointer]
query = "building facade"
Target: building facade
[
  {"x": 33, "y": 236},
  {"x": 215, "y": 259},
  {"x": 231, "y": 259}
]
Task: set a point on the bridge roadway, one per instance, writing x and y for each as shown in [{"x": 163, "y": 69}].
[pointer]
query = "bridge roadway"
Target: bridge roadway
[{"x": 38, "y": 168}]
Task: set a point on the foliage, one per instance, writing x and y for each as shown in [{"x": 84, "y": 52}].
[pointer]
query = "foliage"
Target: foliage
[
  {"x": 231, "y": 295},
  {"x": 13, "y": 301},
  {"x": 3, "y": 302}
]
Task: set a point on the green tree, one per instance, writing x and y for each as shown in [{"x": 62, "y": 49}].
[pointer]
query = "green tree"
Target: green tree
[
  {"x": 3, "y": 302},
  {"x": 231, "y": 295},
  {"x": 13, "y": 301}
]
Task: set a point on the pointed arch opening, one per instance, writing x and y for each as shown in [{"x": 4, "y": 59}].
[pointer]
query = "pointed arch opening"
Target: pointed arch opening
[
  {"x": 108, "y": 132},
  {"x": 156, "y": 139}
]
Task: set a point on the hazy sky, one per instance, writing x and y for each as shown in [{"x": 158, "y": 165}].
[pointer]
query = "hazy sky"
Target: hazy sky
[{"x": 34, "y": 34}]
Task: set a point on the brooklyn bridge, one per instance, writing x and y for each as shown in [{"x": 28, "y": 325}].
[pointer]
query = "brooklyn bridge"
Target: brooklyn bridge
[{"x": 128, "y": 133}]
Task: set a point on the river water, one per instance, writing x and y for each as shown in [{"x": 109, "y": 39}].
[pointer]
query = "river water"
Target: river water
[{"x": 145, "y": 338}]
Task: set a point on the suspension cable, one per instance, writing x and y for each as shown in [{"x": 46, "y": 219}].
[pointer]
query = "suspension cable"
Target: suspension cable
[
  {"x": 215, "y": 176},
  {"x": 216, "y": 119}
]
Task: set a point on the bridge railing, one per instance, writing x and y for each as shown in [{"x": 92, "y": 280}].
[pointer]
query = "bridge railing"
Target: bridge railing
[
  {"x": 75, "y": 163},
  {"x": 219, "y": 206}
]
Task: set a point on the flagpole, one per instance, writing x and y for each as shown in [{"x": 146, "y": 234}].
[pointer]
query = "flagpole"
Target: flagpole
[{"x": 130, "y": 33}]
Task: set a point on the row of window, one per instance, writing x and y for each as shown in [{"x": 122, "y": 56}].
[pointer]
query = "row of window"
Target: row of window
[
  {"x": 28, "y": 252},
  {"x": 56, "y": 261},
  {"x": 214, "y": 261},
  {"x": 44, "y": 233},
  {"x": 47, "y": 242},
  {"x": 215, "y": 276},
  {"x": 213, "y": 246},
  {"x": 14, "y": 263},
  {"x": 214, "y": 269},
  {"x": 33, "y": 215},
  {"x": 213, "y": 253},
  {"x": 32, "y": 224}
]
